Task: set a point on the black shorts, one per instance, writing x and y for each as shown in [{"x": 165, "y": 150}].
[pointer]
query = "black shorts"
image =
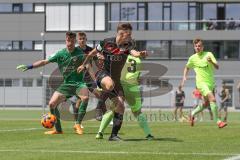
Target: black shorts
[
  {"x": 91, "y": 86},
  {"x": 100, "y": 75},
  {"x": 117, "y": 91},
  {"x": 179, "y": 104}
]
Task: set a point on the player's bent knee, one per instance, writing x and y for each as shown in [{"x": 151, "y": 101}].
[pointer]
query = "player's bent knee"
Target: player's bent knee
[
  {"x": 108, "y": 87},
  {"x": 120, "y": 108},
  {"x": 107, "y": 84},
  {"x": 52, "y": 105},
  {"x": 212, "y": 100},
  {"x": 136, "y": 113}
]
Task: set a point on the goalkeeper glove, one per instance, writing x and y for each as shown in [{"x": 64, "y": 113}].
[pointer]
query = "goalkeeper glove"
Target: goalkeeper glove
[{"x": 24, "y": 67}]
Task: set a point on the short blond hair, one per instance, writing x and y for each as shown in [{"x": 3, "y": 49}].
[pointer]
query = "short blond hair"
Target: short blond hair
[
  {"x": 197, "y": 40},
  {"x": 81, "y": 34}
]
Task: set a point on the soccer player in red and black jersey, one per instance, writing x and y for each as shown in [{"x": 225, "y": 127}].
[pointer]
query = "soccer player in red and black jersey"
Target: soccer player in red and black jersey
[{"x": 115, "y": 51}]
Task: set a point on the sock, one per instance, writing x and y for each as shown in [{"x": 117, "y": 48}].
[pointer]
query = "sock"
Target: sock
[
  {"x": 100, "y": 110},
  {"x": 197, "y": 110},
  {"x": 107, "y": 117},
  {"x": 81, "y": 111},
  {"x": 75, "y": 112},
  {"x": 101, "y": 106},
  {"x": 142, "y": 121},
  {"x": 55, "y": 112},
  {"x": 117, "y": 123},
  {"x": 213, "y": 106}
]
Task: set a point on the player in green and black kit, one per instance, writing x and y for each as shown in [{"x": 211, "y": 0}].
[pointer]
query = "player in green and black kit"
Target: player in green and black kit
[
  {"x": 68, "y": 59},
  {"x": 203, "y": 64}
]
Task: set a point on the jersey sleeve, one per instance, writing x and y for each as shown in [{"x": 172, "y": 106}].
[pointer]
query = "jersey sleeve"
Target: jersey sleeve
[
  {"x": 54, "y": 57},
  {"x": 99, "y": 47},
  {"x": 190, "y": 63},
  {"x": 212, "y": 57}
]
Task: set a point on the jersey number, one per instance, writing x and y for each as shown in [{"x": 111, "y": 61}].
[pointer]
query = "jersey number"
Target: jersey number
[{"x": 133, "y": 67}]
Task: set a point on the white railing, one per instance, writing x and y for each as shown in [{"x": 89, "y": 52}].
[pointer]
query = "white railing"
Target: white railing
[{"x": 183, "y": 24}]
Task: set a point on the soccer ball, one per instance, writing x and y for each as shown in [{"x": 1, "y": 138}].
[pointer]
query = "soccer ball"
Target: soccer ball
[{"x": 48, "y": 120}]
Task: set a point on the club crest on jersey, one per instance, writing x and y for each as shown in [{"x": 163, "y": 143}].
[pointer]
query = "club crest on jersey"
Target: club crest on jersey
[
  {"x": 114, "y": 57},
  {"x": 110, "y": 46},
  {"x": 74, "y": 59},
  {"x": 63, "y": 59}
]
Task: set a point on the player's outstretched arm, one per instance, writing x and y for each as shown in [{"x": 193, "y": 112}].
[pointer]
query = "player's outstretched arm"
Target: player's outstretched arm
[
  {"x": 87, "y": 59},
  {"x": 185, "y": 73},
  {"x": 36, "y": 64},
  {"x": 141, "y": 54},
  {"x": 216, "y": 66},
  {"x": 90, "y": 71}
]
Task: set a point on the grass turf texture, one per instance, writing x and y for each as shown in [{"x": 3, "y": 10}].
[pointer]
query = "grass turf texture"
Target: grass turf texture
[{"x": 22, "y": 138}]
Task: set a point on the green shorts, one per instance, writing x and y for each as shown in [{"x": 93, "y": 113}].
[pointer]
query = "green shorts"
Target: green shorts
[
  {"x": 133, "y": 96},
  {"x": 205, "y": 88},
  {"x": 69, "y": 90}
]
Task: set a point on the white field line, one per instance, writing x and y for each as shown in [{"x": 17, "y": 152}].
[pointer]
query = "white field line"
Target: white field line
[
  {"x": 31, "y": 129},
  {"x": 118, "y": 152},
  {"x": 237, "y": 157},
  {"x": 20, "y": 129}
]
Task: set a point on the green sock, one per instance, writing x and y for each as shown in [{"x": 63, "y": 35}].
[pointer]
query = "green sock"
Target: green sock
[
  {"x": 55, "y": 112},
  {"x": 107, "y": 117},
  {"x": 142, "y": 121},
  {"x": 197, "y": 110},
  {"x": 81, "y": 112},
  {"x": 214, "y": 109}
]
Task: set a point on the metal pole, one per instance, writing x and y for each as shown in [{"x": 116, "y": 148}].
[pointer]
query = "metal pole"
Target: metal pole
[
  {"x": 27, "y": 95},
  {"x": 43, "y": 93},
  {"x": 42, "y": 74},
  {"x": 4, "y": 96}
]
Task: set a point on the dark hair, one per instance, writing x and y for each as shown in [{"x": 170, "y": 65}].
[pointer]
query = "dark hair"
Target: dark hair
[
  {"x": 70, "y": 34},
  {"x": 197, "y": 40},
  {"x": 124, "y": 26},
  {"x": 80, "y": 34}
]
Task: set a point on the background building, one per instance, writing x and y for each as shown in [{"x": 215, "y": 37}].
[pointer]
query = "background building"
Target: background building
[{"x": 31, "y": 30}]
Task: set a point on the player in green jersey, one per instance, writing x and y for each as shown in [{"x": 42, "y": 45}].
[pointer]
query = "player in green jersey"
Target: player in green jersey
[
  {"x": 203, "y": 64},
  {"x": 68, "y": 59},
  {"x": 130, "y": 84}
]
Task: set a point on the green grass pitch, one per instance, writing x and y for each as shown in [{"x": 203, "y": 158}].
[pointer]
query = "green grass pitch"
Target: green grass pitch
[{"x": 22, "y": 138}]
